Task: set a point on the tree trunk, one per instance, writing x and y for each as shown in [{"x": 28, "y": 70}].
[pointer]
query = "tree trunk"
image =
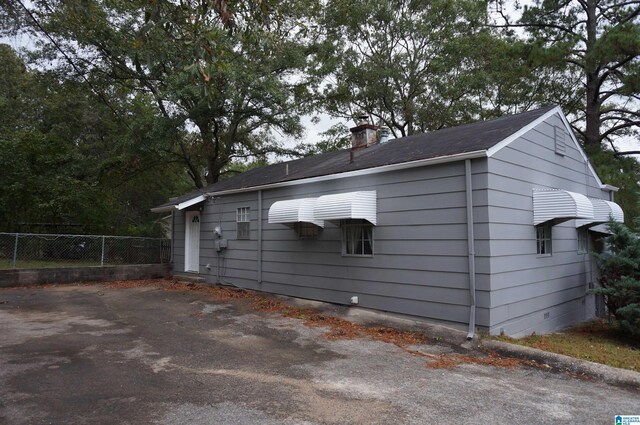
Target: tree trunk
[
  {"x": 213, "y": 170},
  {"x": 592, "y": 107},
  {"x": 592, "y": 112}
]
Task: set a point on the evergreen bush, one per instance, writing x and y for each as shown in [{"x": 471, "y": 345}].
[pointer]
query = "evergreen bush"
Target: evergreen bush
[{"x": 620, "y": 277}]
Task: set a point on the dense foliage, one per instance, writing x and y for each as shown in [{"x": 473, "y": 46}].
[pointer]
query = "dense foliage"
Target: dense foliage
[
  {"x": 67, "y": 160},
  {"x": 594, "y": 47},
  {"x": 115, "y": 105},
  {"x": 620, "y": 277}
]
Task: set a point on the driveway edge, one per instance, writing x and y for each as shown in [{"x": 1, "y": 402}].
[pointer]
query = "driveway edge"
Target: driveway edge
[
  {"x": 452, "y": 335},
  {"x": 608, "y": 374}
]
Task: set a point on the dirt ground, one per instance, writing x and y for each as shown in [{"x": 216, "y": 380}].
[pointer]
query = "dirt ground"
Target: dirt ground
[{"x": 134, "y": 353}]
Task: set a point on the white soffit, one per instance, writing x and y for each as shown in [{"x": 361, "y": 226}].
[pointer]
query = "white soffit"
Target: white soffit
[
  {"x": 560, "y": 205},
  {"x": 294, "y": 211},
  {"x": 351, "y": 205},
  {"x": 602, "y": 212}
]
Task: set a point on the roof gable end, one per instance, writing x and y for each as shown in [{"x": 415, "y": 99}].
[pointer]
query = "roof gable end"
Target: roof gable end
[{"x": 554, "y": 111}]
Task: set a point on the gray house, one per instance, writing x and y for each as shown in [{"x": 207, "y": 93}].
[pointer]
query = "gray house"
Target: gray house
[{"x": 487, "y": 224}]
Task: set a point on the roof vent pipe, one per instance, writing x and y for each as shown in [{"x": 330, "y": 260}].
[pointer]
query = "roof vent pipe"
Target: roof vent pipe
[{"x": 384, "y": 132}]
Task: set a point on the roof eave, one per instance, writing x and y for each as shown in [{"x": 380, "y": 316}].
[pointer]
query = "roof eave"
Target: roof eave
[
  {"x": 356, "y": 173},
  {"x": 164, "y": 208},
  {"x": 180, "y": 206}
]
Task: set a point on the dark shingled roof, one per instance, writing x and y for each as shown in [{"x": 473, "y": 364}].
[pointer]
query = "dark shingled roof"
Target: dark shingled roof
[{"x": 449, "y": 141}]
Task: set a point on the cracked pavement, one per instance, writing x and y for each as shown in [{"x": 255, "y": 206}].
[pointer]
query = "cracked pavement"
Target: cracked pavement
[{"x": 97, "y": 355}]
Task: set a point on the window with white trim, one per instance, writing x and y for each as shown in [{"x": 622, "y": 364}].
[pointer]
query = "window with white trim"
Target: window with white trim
[
  {"x": 242, "y": 223},
  {"x": 582, "y": 240},
  {"x": 357, "y": 238},
  {"x": 543, "y": 239}
]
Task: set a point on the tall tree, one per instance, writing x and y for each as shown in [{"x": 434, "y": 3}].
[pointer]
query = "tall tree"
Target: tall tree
[
  {"x": 224, "y": 76},
  {"x": 66, "y": 159},
  {"x": 417, "y": 65},
  {"x": 597, "y": 45}
]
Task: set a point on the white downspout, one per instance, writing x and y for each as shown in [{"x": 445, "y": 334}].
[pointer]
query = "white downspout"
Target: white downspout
[
  {"x": 173, "y": 238},
  {"x": 259, "y": 237},
  {"x": 472, "y": 255}
]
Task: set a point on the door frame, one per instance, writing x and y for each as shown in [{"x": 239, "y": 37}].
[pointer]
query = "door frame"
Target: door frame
[{"x": 188, "y": 217}]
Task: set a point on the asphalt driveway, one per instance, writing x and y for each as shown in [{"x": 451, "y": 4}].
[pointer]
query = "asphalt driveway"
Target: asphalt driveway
[{"x": 97, "y": 355}]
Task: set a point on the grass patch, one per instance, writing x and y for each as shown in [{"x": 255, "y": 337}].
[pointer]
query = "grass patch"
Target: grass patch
[
  {"x": 596, "y": 341},
  {"x": 46, "y": 264}
]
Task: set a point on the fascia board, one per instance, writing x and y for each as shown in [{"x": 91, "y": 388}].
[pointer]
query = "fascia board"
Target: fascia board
[
  {"x": 507, "y": 141},
  {"x": 357, "y": 173}
]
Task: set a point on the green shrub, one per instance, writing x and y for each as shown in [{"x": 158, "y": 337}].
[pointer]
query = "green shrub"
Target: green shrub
[{"x": 620, "y": 277}]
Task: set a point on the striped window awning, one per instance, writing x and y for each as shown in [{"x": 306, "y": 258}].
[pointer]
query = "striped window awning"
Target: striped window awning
[
  {"x": 351, "y": 205},
  {"x": 603, "y": 211},
  {"x": 294, "y": 211},
  {"x": 557, "y": 206}
]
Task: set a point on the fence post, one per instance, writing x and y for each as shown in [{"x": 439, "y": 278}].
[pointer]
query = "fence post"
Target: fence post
[
  {"x": 15, "y": 251},
  {"x": 102, "y": 255}
]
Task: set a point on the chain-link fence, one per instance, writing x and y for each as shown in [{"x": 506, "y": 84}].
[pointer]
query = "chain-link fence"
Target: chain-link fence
[{"x": 28, "y": 250}]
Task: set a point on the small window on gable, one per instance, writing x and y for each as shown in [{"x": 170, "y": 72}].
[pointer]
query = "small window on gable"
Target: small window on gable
[
  {"x": 582, "y": 240},
  {"x": 559, "y": 140},
  {"x": 543, "y": 239},
  {"x": 306, "y": 230},
  {"x": 357, "y": 238},
  {"x": 243, "y": 223}
]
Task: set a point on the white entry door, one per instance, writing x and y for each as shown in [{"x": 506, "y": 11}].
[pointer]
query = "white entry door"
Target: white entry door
[{"x": 192, "y": 242}]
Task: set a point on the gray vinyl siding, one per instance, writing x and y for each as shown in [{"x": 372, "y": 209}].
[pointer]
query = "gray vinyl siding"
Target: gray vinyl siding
[
  {"x": 177, "y": 247},
  {"x": 420, "y": 262},
  {"x": 531, "y": 293},
  {"x": 238, "y": 265}
]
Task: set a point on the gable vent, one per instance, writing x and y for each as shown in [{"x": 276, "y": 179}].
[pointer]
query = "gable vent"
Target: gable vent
[{"x": 559, "y": 140}]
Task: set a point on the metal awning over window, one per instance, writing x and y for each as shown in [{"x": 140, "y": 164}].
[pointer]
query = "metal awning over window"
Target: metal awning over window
[
  {"x": 558, "y": 205},
  {"x": 602, "y": 212},
  {"x": 294, "y": 211},
  {"x": 351, "y": 205}
]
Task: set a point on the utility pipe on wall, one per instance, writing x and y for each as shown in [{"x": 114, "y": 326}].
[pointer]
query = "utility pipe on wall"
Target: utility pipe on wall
[{"x": 472, "y": 254}]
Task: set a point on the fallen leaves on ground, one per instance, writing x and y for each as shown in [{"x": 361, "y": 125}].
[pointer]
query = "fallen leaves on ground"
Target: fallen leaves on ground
[
  {"x": 337, "y": 328},
  {"x": 448, "y": 361}
]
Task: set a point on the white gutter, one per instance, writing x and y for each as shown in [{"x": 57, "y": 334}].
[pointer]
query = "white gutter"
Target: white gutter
[{"x": 357, "y": 173}]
